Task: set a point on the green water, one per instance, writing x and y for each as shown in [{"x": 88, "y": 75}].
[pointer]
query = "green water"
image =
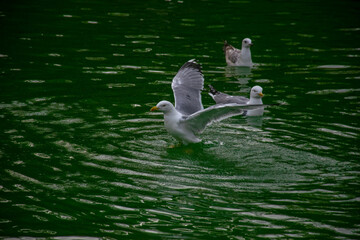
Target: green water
[{"x": 83, "y": 158}]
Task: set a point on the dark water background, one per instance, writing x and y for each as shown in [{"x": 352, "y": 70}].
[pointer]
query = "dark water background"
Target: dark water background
[{"x": 83, "y": 158}]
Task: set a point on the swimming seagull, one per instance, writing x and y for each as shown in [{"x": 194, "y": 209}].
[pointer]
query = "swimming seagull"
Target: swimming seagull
[
  {"x": 189, "y": 117},
  {"x": 237, "y": 57},
  {"x": 255, "y": 98}
]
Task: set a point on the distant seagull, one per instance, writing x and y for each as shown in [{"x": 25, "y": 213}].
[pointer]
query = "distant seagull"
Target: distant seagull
[
  {"x": 255, "y": 98},
  {"x": 237, "y": 57},
  {"x": 189, "y": 117}
]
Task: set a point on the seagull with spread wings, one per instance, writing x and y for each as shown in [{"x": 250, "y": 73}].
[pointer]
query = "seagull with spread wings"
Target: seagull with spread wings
[{"x": 189, "y": 117}]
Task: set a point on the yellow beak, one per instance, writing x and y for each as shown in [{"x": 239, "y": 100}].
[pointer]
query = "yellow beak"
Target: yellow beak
[
  {"x": 261, "y": 94},
  {"x": 154, "y": 109}
]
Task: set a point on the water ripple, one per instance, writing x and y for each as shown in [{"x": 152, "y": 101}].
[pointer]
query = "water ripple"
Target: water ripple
[{"x": 80, "y": 148}]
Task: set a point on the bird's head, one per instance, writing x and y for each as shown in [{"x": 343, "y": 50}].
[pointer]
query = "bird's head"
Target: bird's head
[
  {"x": 256, "y": 92},
  {"x": 163, "y": 106},
  {"x": 247, "y": 43}
]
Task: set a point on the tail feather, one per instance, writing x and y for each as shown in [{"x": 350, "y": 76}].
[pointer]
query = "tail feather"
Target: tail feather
[
  {"x": 213, "y": 91},
  {"x": 226, "y": 44}
]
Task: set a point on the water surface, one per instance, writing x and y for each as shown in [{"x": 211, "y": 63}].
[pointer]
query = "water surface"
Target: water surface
[{"x": 83, "y": 158}]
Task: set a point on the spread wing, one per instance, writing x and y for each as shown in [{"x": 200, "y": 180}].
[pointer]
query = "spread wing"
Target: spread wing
[
  {"x": 187, "y": 85},
  {"x": 198, "y": 121}
]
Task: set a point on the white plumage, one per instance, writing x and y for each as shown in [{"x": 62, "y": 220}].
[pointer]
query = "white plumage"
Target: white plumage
[
  {"x": 237, "y": 57},
  {"x": 188, "y": 117},
  {"x": 256, "y": 95}
]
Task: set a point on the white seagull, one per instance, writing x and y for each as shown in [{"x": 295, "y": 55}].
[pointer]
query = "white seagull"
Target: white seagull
[
  {"x": 237, "y": 57},
  {"x": 255, "y": 98},
  {"x": 189, "y": 117}
]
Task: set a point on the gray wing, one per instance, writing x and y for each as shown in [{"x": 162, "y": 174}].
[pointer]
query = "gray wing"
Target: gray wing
[
  {"x": 233, "y": 54},
  {"x": 187, "y": 86},
  {"x": 222, "y": 98},
  {"x": 198, "y": 121}
]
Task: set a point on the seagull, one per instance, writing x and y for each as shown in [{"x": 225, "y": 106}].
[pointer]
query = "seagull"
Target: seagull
[
  {"x": 189, "y": 117},
  {"x": 237, "y": 57},
  {"x": 255, "y": 98}
]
